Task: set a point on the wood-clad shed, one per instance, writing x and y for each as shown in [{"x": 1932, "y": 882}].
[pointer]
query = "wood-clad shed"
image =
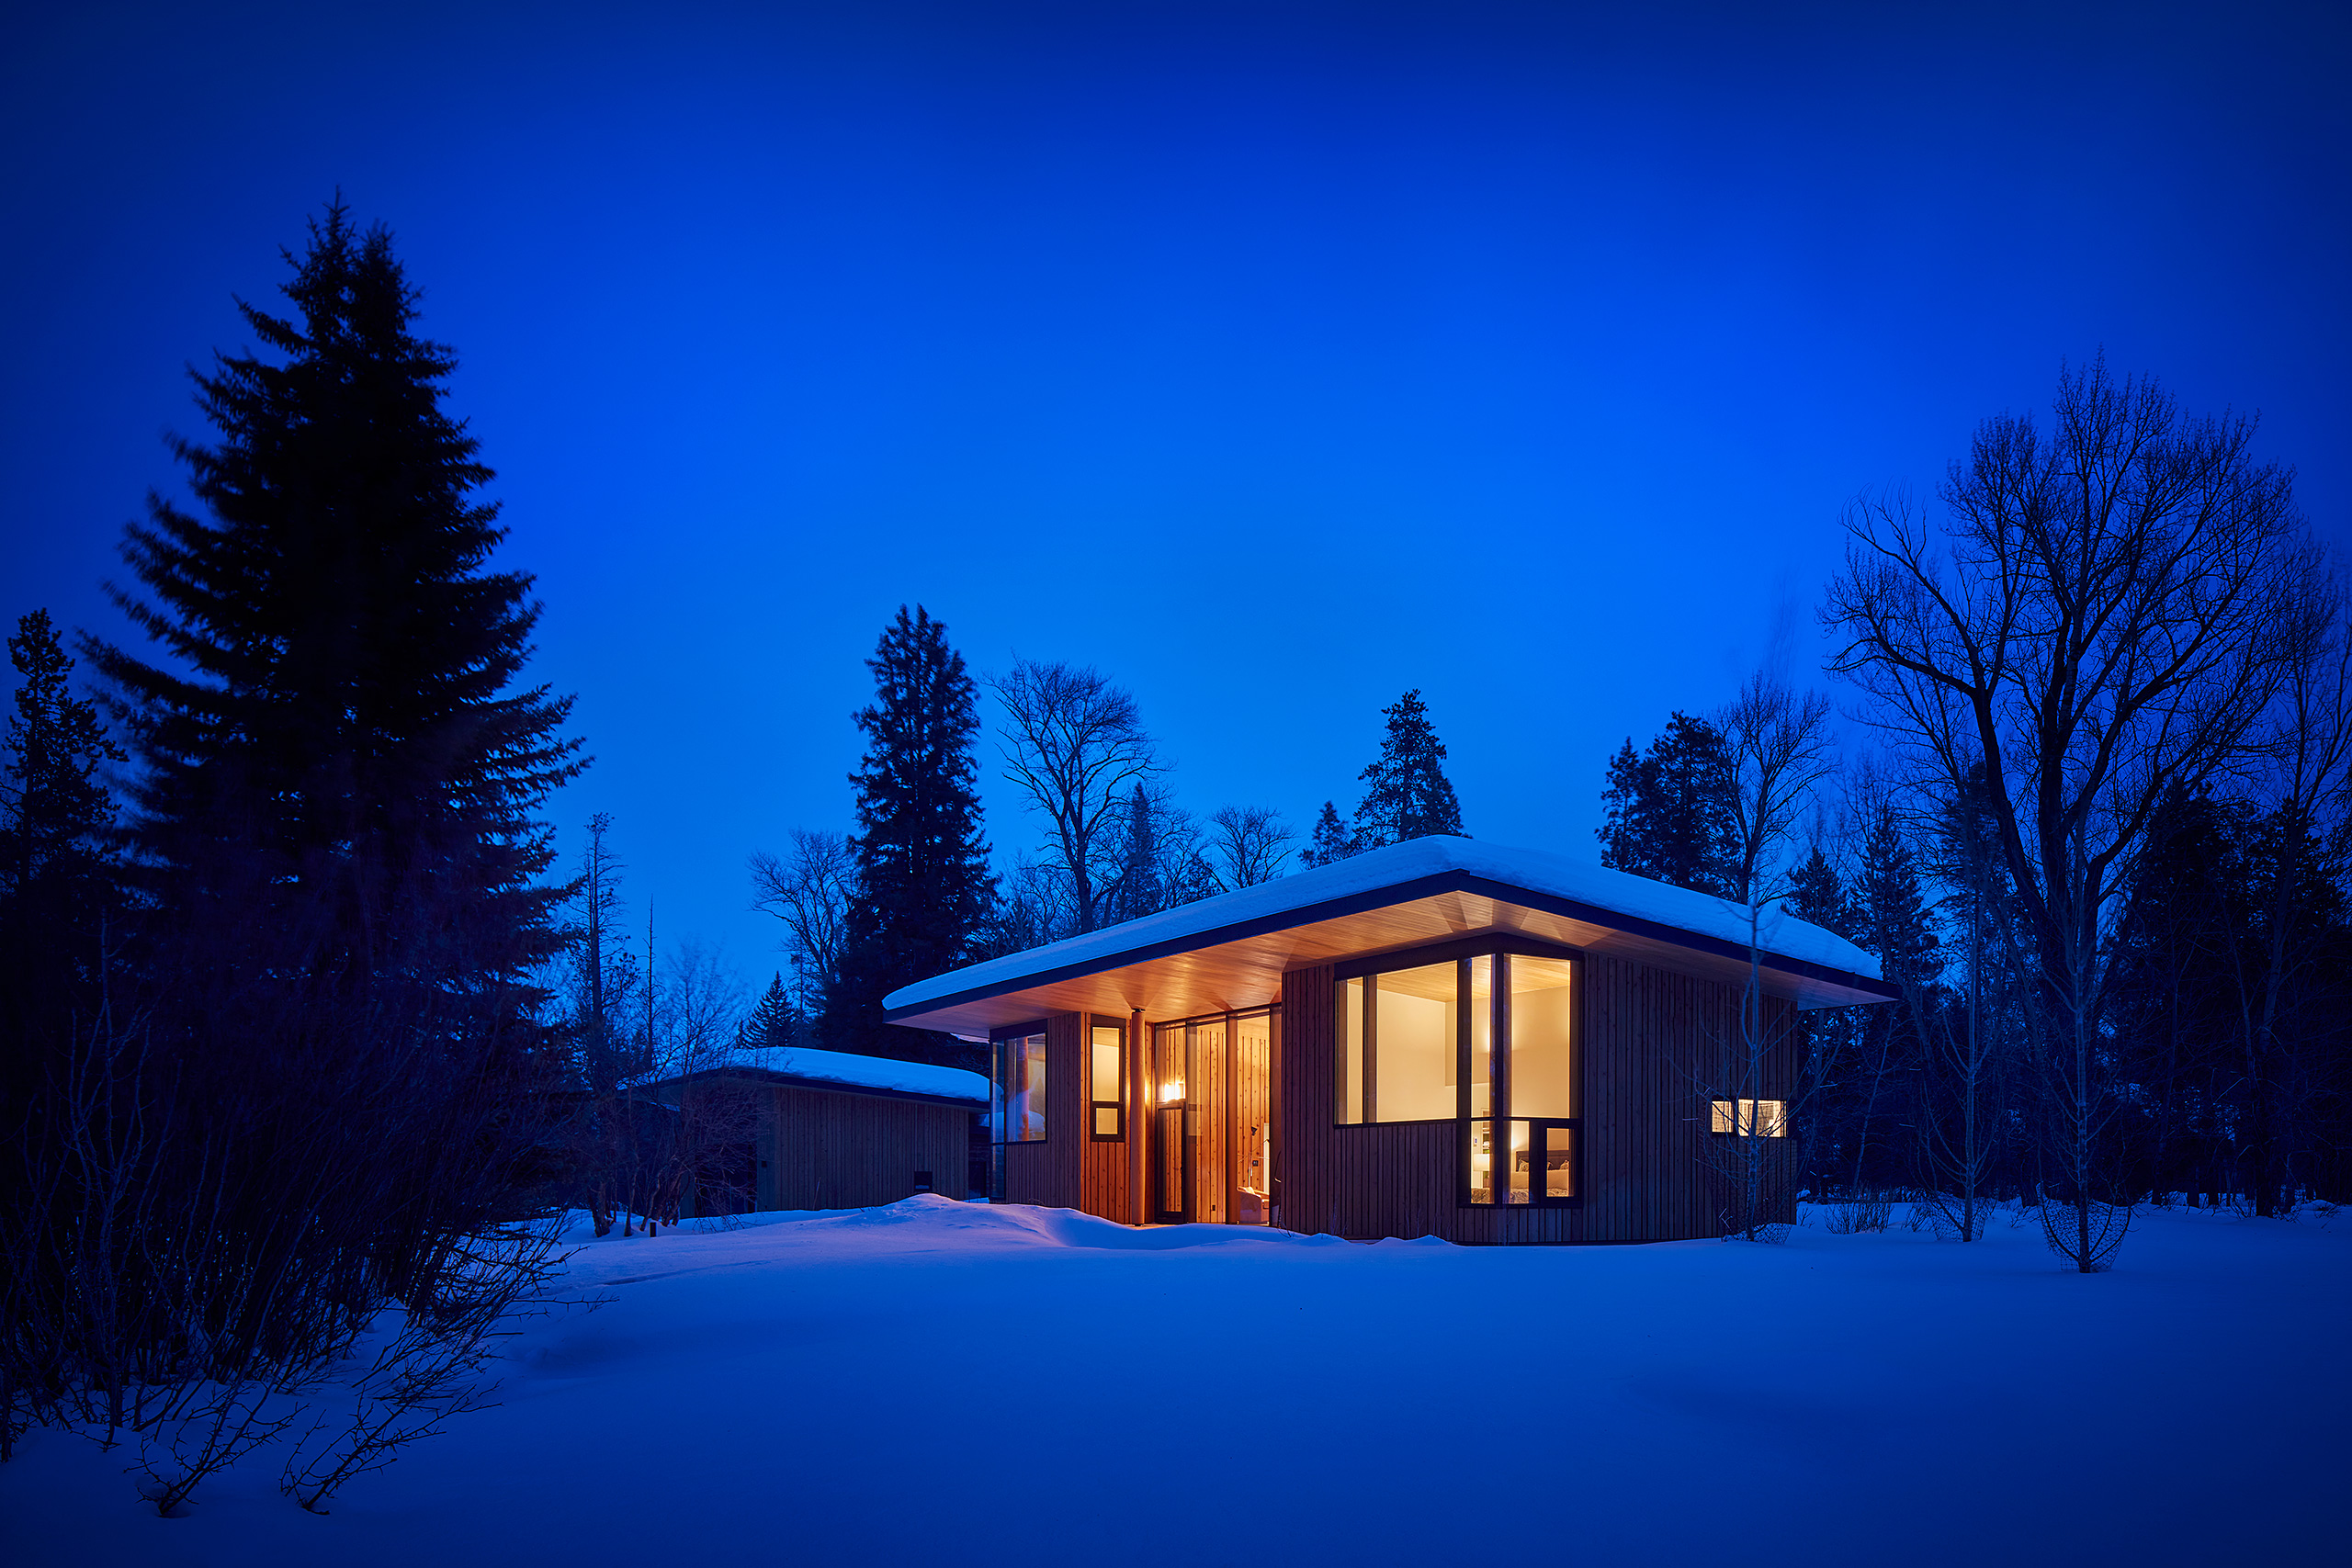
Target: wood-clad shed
[
  {"x": 1438, "y": 1038},
  {"x": 834, "y": 1130}
]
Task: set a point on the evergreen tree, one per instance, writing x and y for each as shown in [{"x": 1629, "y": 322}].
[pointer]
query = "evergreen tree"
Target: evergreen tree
[
  {"x": 924, "y": 892},
  {"x": 1331, "y": 842},
  {"x": 310, "y": 1090},
  {"x": 341, "y": 769},
  {"x": 1890, "y": 916},
  {"x": 1142, "y": 886},
  {"x": 1817, "y": 894},
  {"x": 775, "y": 1020},
  {"x": 1670, "y": 813},
  {"x": 1621, "y": 802},
  {"x": 1406, "y": 793},
  {"x": 55, "y": 886}
]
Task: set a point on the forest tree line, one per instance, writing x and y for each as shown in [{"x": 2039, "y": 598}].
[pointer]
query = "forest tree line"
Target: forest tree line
[
  {"x": 2093, "y": 828},
  {"x": 304, "y": 1024}
]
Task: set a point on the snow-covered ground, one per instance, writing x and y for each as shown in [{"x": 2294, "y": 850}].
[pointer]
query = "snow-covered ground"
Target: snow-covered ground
[{"x": 937, "y": 1383}]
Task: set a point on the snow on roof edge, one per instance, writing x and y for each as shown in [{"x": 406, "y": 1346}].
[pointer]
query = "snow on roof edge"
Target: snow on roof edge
[
  {"x": 854, "y": 1071},
  {"x": 1538, "y": 870}
]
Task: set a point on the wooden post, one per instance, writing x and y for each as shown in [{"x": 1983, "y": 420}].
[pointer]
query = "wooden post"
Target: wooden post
[
  {"x": 1139, "y": 1113},
  {"x": 1232, "y": 1119}
]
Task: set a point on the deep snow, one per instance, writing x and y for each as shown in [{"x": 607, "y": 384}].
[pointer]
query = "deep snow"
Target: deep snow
[
  {"x": 937, "y": 1383},
  {"x": 1540, "y": 871}
]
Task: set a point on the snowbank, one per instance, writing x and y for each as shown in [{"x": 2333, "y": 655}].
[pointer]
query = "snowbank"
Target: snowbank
[
  {"x": 943, "y": 1383},
  {"x": 1538, "y": 870}
]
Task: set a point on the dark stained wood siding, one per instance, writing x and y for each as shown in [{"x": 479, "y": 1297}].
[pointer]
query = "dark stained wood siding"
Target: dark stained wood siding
[
  {"x": 1651, "y": 1042},
  {"x": 828, "y": 1150},
  {"x": 1047, "y": 1173}
]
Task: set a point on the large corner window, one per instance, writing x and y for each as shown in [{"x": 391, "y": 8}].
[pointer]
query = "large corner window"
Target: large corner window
[
  {"x": 1107, "y": 1107},
  {"x": 1486, "y": 1040},
  {"x": 1017, "y": 1087}
]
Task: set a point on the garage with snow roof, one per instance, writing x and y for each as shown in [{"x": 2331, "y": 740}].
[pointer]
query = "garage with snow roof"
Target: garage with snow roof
[
  {"x": 834, "y": 1130},
  {"x": 1438, "y": 1038}
]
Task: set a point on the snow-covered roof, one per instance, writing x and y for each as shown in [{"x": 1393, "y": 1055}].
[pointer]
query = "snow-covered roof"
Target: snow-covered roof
[
  {"x": 1540, "y": 871},
  {"x": 809, "y": 1064}
]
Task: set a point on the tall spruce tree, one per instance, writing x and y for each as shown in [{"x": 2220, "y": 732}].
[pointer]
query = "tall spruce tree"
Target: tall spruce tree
[
  {"x": 1332, "y": 842},
  {"x": 340, "y": 764},
  {"x": 327, "y": 1092},
  {"x": 924, "y": 891},
  {"x": 1670, "y": 813},
  {"x": 1406, "y": 793}
]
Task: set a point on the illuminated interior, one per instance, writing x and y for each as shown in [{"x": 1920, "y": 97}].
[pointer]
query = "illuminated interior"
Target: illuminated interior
[
  {"x": 1106, "y": 1059},
  {"x": 1017, "y": 1089},
  {"x": 1756, "y": 1118},
  {"x": 1403, "y": 1056}
]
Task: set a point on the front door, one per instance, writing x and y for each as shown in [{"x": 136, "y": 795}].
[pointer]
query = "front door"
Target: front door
[{"x": 1175, "y": 1123}]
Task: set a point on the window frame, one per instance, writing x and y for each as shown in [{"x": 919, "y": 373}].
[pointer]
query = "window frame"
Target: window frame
[
  {"x": 1721, "y": 1109},
  {"x": 1462, "y": 951},
  {"x": 996, "y": 1098},
  {"x": 1095, "y": 1104}
]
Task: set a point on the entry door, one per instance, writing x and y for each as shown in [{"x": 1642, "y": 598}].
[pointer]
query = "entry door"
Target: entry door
[
  {"x": 1254, "y": 1119},
  {"x": 1175, "y": 1123}
]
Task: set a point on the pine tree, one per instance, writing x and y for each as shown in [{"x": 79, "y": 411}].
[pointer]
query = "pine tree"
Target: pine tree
[
  {"x": 55, "y": 881},
  {"x": 1890, "y": 914},
  {"x": 1406, "y": 793},
  {"x": 1331, "y": 842},
  {"x": 1669, "y": 814},
  {"x": 58, "y": 805},
  {"x": 1621, "y": 805},
  {"x": 1817, "y": 894},
  {"x": 924, "y": 891},
  {"x": 343, "y": 766},
  {"x": 775, "y": 1020},
  {"x": 1141, "y": 887}
]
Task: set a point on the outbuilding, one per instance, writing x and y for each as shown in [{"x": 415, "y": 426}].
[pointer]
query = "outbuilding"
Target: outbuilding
[
  {"x": 1443, "y": 1037},
  {"x": 834, "y": 1130}
]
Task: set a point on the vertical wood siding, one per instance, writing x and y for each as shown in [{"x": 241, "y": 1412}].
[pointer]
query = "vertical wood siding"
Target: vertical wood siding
[
  {"x": 1652, "y": 1044},
  {"x": 848, "y": 1151},
  {"x": 1102, "y": 1168},
  {"x": 1047, "y": 1173}
]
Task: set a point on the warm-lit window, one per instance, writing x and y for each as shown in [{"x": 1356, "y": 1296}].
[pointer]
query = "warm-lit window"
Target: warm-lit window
[
  {"x": 1755, "y": 1118},
  {"x": 1017, "y": 1089},
  {"x": 1108, "y": 1105},
  {"x": 1487, "y": 1042},
  {"x": 1399, "y": 1039}
]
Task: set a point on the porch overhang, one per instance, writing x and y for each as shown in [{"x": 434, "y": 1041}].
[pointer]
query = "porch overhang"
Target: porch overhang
[{"x": 1239, "y": 964}]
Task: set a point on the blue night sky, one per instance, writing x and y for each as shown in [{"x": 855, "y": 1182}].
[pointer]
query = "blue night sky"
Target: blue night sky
[{"x": 1273, "y": 359}]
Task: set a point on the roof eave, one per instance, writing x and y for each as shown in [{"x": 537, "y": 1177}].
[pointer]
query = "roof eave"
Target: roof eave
[{"x": 1435, "y": 883}]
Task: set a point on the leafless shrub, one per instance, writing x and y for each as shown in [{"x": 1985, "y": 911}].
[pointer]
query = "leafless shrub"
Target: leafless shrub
[
  {"x": 2087, "y": 1233},
  {"x": 430, "y": 1368},
  {"x": 1854, "y": 1214}
]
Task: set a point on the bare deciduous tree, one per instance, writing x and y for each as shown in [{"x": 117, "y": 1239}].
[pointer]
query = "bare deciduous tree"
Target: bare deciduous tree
[
  {"x": 1249, "y": 843},
  {"x": 2108, "y": 613},
  {"x": 1076, "y": 747},
  {"x": 809, "y": 888},
  {"x": 1780, "y": 748}
]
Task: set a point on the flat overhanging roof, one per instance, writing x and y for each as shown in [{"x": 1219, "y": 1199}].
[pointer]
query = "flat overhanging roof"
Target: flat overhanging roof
[{"x": 1229, "y": 953}]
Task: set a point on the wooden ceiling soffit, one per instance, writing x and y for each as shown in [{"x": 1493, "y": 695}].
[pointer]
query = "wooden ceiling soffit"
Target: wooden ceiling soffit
[{"x": 1239, "y": 968}]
